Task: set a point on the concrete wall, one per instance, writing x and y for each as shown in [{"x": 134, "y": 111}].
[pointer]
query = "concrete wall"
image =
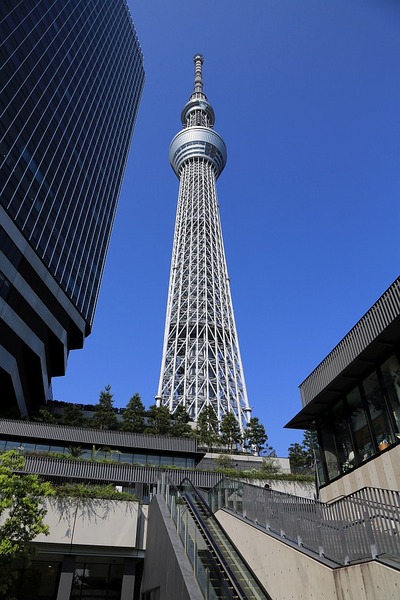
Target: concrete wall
[
  {"x": 381, "y": 472},
  {"x": 166, "y": 565},
  {"x": 94, "y": 522},
  {"x": 288, "y": 574},
  {"x": 304, "y": 489},
  {"x": 243, "y": 461}
]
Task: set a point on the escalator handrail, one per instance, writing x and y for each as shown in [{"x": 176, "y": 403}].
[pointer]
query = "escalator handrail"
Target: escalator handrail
[
  {"x": 204, "y": 504},
  {"x": 227, "y": 569}
]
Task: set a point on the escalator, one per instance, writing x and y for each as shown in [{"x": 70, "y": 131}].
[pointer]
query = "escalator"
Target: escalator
[{"x": 229, "y": 575}]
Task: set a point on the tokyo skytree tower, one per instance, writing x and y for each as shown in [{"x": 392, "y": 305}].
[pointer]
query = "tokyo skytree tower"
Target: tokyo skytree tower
[{"x": 201, "y": 363}]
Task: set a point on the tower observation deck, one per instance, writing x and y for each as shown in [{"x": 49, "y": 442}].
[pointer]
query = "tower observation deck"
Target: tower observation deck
[{"x": 201, "y": 363}]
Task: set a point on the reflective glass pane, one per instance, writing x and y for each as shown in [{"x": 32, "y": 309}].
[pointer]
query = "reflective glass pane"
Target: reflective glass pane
[
  {"x": 391, "y": 376},
  {"x": 329, "y": 447},
  {"x": 344, "y": 444},
  {"x": 377, "y": 410},
  {"x": 77, "y": 582},
  {"x": 39, "y": 581},
  {"x": 180, "y": 461},
  {"x": 140, "y": 459},
  {"x": 364, "y": 448},
  {"x": 126, "y": 458}
]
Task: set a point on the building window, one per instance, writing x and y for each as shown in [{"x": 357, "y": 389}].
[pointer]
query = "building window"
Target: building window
[
  {"x": 391, "y": 379},
  {"x": 97, "y": 580},
  {"x": 362, "y": 424},
  {"x": 377, "y": 409},
  {"x": 364, "y": 448},
  {"x": 329, "y": 452},
  {"x": 38, "y": 582},
  {"x": 343, "y": 440}
]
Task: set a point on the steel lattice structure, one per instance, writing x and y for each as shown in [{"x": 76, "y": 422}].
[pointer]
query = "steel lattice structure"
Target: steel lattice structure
[{"x": 201, "y": 362}]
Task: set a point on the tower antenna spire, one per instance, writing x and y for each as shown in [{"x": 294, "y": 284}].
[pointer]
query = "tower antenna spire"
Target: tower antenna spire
[{"x": 198, "y": 73}]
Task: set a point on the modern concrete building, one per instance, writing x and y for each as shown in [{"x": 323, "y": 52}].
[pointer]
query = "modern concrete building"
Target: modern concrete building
[
  {"x": 96, "y": 548},
  {"x": 194, "y": 534},
  {"x": 201, "y": 364},
  {"x": 352, "y": 401},
  {"x": 346, "y": 544},
  {"x": 72, "y": 77}
]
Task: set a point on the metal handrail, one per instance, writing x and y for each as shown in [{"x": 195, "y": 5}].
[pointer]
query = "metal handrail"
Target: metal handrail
[
  {"x": 257, "y": 588},
  {"x": 361, "y": 526},
  {"x": 188, "y": 516},
  {"x": 225, "y": 566}
]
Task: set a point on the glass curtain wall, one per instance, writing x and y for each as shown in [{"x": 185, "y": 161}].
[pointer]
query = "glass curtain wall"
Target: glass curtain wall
[{"x": 360, "y": 425}]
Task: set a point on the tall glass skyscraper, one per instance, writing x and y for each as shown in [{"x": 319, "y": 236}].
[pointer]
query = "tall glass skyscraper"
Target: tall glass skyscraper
[
  {"x": 201, "y": 364},
  {"x": 72, "y": 76}
]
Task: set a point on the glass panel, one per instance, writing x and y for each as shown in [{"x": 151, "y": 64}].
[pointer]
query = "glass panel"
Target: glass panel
[
  {"x": 59, "y": 449},
  {"x": 358, "y": 419},
  {"x": 28, "y": 447},
  {"x": 12, "y": 445},
  {"x": 153, "y": 459},
  {"x": 329, "y": 448},
  {"x": 39, "y": 581},
  {"x": 114, "y": 587},
  {"x": 344, "y": 445},
  {"x": 42, "y": 448},
  {"x": 126, "y": 458},
  {"x": 180, "y": 461},
  {"x": 86, "y": 454},
  {"x": 319, "y": 463},
  {"x": 95, "y": 580},
  {"x": 140, "y": 459},
  {"x": 377, "y": 410},
  {"x": 191, "y": 541},
  {"x": 77, "y": 582},
  {"x": 391, "y": 376}
]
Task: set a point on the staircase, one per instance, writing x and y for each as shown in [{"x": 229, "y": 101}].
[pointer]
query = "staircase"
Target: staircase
[{"x": 362, "y": 526}]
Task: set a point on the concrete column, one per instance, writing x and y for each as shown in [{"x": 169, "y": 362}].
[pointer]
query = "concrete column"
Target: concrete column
[
  {"x": 66, "y": 578},
  {"x": 128, "y": 579}
]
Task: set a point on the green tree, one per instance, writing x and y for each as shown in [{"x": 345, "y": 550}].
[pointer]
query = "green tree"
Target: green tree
[
  {"x": 180, "y": 422},
  {"x": 22, "y": 515},
  {"x": 75, "y": 451},
  {"x": 133, "y": 415},
  {"x": 207, "y": 427},
  {"x": 104, "y": 416},
  {"x": 297, "y": 458},
  {"x": 224, "y": 461},
  {"x": 302, "y": 456},
  {"x": 310, "y": 443},
  {"x": 255, "y": 435},
  {"x": 269, "y": 466},
  {"x": 73, "y": 416},
  {"x": 230, "y": 431},
  {"x": 158, "y": 420},
  {"x": 45, "y": 416}
]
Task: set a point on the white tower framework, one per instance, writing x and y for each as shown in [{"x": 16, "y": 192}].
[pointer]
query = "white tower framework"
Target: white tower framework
[{"x": 201, "y": 363}]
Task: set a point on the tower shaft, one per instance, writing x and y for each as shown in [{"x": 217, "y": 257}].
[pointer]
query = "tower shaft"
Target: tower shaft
[{"x": 201, "y": 363}]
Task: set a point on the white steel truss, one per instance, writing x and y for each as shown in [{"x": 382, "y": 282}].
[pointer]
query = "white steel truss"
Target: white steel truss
[{"x": 201, "y": 362}]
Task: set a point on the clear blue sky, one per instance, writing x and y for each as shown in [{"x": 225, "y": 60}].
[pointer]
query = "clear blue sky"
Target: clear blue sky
[{"x": 307, "y": 98}]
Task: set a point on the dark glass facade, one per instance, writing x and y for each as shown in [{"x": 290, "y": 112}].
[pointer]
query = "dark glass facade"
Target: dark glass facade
[
  {"x": 72, "y": 77},
  {"x": 139, "y": 457},
  {"x": 364, "y": 422}
]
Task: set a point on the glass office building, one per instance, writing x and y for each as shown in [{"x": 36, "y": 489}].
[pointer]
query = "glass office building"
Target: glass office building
[{"x": 72, "y": 76}]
